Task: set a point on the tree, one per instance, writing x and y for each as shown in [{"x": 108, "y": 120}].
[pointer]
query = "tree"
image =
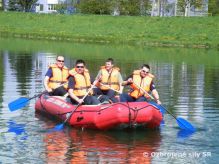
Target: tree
[
  {"x": 21, "y": 5},
  {"x": 27, "y": 5},
  {"x": 95, "y": 6},
  {"x": 133, "y": 7},
  {"x": 115, "y": 7},
  {"x": 67, "y": 6},
  {"x": 13, "y": 5},
  {"x": 1, "y": 5},
  {"x": 213, "y": 7},
  {"x": 185, "y": 5}
]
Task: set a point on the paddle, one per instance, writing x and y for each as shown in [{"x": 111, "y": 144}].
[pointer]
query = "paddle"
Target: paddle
[
  {"x": 110, "y": 88},
  {"x": 183, "y": 124},
  {"x": 68, "y": 116},
  {"x": 23, "y": 101}
]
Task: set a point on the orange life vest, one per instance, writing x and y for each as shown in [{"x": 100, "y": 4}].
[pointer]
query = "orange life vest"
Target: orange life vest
[
  {"x": 144, "y": 83},
  {"x": 59, "y": 76},
  {"x": 82, "y": 82},
  {"x": 109, "y": 79}
]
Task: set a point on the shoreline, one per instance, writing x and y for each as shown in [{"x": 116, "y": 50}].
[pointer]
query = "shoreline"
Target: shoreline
[
  {"x": 190, "y": 32},
  {"x": 84, "y": 40}
]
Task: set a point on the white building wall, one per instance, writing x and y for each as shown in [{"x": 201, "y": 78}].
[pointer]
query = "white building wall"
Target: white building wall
[{"x": 47, "y": 6}]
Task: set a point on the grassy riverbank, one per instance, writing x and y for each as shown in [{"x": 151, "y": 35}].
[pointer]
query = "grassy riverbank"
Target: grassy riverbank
[{"x": 201, "y": 32}]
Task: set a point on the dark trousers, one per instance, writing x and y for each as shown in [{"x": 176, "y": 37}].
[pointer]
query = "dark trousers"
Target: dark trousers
[
  {"x": 125, "y": 97},
  {"x": 60, "y": 91},
  {"x": 89, "y": 100},
  {"x": 105, "y": 95}
]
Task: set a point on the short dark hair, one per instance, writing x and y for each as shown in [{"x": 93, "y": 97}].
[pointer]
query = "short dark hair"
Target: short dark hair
[
  {"x": 79, "y": 61},
  {"x": 110, "y": 60},
  {"x": 145, "y": 65}
]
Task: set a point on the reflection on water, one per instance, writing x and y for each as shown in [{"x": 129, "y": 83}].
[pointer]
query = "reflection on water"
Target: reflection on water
[
  {"x": 187, "y": 87},
  {"x": 84, "y": 146},
  {"x": 18, "y": 129},
  {"x": 78, "y": 146}
]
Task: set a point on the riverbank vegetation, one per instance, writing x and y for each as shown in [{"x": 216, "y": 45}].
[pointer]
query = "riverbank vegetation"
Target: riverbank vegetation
[
  {"x": 201, "y": 32},
  {"x": 118, "y": 7}
]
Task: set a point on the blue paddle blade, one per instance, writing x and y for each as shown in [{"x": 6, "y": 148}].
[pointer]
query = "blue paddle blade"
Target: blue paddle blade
[
  {"x": 183, "y": 134},
  {"x": 162, "y": 122},
  {"x": 59, "y": 127},
  {"x": 17, "y": 104},
  {"x": 161, "y": 108},
  {"x": 183, "y": 124}
]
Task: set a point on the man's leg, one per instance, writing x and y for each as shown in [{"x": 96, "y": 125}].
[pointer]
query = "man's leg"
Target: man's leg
[
  {"x": 111, "y": 94},
  {"x": 97, "y": 91},
  {"x": 60, "y": 91},
  {"x": 125, "y": 97},
  {"x": 91, "y": 100},
  {"x": 141, "y": 99},
  {"x": 100, "y": 95}
]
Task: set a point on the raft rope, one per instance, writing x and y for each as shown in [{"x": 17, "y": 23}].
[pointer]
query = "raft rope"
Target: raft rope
[
  {"x": 130, "y": 115},
  {"x": 104, "y": 108},
  {"x": 45, "y": 96},
  {"x": 41, "y": 103},
  {"x": 131, "y": 119},
  {"x": 135, "y": 110}
]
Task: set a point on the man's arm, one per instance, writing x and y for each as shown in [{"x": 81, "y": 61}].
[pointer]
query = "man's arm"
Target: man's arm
[
  {"x": 121, "y": 87},
  {"x": 155, "y": 93},
  {"x": 128, "y": 81},
  {"x": 46, "y": 80}
]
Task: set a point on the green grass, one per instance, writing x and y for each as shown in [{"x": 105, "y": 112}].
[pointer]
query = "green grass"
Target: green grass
[{"x": 200, "y": 32}]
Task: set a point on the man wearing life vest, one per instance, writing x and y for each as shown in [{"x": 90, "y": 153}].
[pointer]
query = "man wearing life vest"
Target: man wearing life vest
[
  {"x": 141, "y": 82},
  {"x": 55, "y": 81},
  {"x": 110, "y": 81},
  {"x": 79, "y": 85}
]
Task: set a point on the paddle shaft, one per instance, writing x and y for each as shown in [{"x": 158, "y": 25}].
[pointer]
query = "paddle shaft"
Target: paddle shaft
[
  {"x": 184, "y": 123},
  {"x": 37, "y": 95},
  {"x": 153, "y": 99},
  {"x": 45, "y": 92},
  {"x": 80, "y": 103},
  {"x": 144, "y": 91},
  {"x": 21, "y": 102},
  {"x": 109, "y": 88}
]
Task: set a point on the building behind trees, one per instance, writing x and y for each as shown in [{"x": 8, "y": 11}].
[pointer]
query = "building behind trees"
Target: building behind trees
[{"x": 117, "y": 7}]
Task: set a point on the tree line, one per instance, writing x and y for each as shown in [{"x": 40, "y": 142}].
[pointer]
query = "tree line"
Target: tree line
[{"x": 120, "y": 7}]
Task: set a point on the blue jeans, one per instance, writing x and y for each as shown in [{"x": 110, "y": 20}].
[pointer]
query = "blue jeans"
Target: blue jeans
[
  {"x": 89, "y": 100},
  {"x": 108, "y": 94},
  {"x": 125, "y": 97}
]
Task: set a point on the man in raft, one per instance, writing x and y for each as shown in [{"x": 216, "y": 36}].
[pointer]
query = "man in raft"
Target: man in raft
[
  {"x": 141, "y": 83},
  {"x": 55, "y": 81},
  {"x": 110, "y": 82},
  {"x": 80, "y": 88}
]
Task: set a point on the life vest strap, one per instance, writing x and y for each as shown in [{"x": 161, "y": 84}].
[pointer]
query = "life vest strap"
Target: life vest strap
[
  {"x": 57, "y": 81},
  {"x": 81, "y": 88},
  {"x": 110, "y": 83}
]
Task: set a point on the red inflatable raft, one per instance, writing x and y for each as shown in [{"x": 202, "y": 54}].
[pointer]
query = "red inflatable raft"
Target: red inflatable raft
[{"x": 103, "y": 117}]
